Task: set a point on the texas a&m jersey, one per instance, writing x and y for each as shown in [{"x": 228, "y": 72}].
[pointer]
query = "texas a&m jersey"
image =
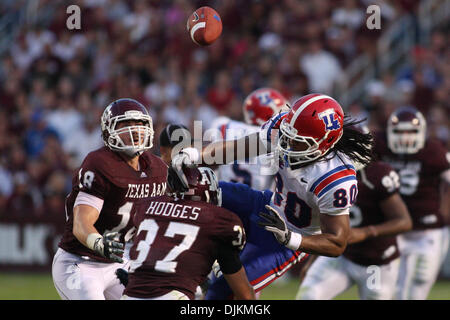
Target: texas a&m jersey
[
  {"x": 420, "y": 177},
  {"x": 105, "y": 175},
  {"x": 176, "y": 244},
  {"x": 376, "y": 182}
]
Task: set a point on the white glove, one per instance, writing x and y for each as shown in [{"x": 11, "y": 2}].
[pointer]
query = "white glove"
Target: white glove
[
  {"x": 187, "y": 157},
  {"x": 107, "y": 245},
  {"x": 216, "y": 269},
  {"x": 275, "y": 224}
]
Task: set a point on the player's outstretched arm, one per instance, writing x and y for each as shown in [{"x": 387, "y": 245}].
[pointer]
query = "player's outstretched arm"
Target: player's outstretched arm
[
  {"x": 222, "y": 152},
  {"x": 397, "y": 221},
  {"x": 332, "y": 242},
  {"x": 240, "y": 285},
  {"x": 84, "y": 218}
]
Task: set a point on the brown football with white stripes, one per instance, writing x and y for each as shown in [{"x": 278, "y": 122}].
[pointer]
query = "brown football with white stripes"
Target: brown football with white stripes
[{"x": 204, "y": 26}]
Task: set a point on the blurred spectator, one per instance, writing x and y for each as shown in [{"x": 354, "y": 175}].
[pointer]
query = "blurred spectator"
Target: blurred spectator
[
  {"x": 321, "y": 67},
  {"x": 36, "y": 135},
  {"x": 349, "y": 15},
  {"x": 221, "y": 94},
  {"x": 90, "y": 136},
  {"x": 162, "y": 91},
  {"x": 66, "y": 119},
  {"x": 25, "y": 199}
]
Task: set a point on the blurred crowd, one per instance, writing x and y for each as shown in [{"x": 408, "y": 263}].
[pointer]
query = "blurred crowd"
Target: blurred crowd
[{"x": 55, "y": 82}]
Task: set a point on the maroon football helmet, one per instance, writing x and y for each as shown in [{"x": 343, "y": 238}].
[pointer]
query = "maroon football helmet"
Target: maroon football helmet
[
  {"x": 406, "y": 131},
  {"x": 133, "y": 139},
  {"x": 202, "y": 182},
  {"x": 317, "y": 121}
]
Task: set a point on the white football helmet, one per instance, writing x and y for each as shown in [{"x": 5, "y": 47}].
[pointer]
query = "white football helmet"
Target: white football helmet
[{"x": 406, "y": 131}]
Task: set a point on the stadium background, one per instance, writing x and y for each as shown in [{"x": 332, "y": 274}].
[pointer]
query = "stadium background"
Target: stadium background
[{"x": 55, "y": 82}]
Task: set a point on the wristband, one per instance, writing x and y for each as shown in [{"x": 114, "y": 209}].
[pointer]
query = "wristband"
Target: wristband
[
  {"x": 91, "y": 239},
  {"x": 373, "y": 232},
  {"x": 295, "y": 241}
]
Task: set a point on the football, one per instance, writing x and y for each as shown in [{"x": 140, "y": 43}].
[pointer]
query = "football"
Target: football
[{"x": 204, "y": 26}]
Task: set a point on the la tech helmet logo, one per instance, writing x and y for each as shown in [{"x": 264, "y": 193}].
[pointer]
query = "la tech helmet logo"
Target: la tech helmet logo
[{"x": 330, "y": 120}]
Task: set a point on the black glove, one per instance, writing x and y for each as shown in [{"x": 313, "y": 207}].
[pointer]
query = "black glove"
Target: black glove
[
  {"x": 109, "y": 246},
  {"x": 122, "y": 275}
]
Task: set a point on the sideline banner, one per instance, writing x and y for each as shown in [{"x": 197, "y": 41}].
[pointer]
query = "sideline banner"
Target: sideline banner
[{"x": 29, "y": 243}]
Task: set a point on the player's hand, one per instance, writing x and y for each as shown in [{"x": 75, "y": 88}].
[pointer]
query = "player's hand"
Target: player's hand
[
  {"x": 122, "y": 275},
  {"x": 275, "y": 224},
  {"x": 187, "y": 157},
  {"x": 109, "y": 246},
  {"x": 216, "y": 269}
]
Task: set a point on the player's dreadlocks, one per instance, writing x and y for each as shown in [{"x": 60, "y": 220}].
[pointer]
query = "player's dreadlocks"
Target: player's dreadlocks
[{"x": 355, "y": 143}]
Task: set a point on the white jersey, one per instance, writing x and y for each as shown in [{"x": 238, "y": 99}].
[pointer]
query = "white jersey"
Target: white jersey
[
  {"x": 258, "y": 172},
  {"x": 328, "y": 186}
]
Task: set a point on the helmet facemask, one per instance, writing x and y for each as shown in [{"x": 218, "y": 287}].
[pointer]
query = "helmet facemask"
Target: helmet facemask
[
  {"x": 288, "y": 134},
  {"x": 131, "y": 140},
  {"x": 406, "y": 137}
]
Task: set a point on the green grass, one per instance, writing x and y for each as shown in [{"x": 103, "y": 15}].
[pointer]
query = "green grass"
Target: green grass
[
  {"x": 27, "y": 286},
  {"x": 24, "y": 286},
  {"x": 286, "y": 290}
]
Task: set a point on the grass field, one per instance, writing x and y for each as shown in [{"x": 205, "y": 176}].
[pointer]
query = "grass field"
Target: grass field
[
  {"x": 18, "y": 286},
  {"x": 286, "y": 290}
]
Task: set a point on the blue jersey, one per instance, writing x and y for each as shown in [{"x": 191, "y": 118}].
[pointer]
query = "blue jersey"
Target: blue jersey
[{"x": 263, "y": 258}]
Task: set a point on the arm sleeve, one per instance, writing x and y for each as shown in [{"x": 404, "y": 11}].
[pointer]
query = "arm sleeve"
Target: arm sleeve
[
  {"x": 229, "y": 259},
  {"x": 90, "y": 200},
  {"x": 269, "y": 131}
]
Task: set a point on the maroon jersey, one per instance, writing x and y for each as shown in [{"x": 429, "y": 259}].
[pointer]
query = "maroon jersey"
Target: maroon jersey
[
  {"x": 177, "y": 243},
  {"x": 376, "y": 182},
  {"x": 106, "y": 175},
  {"x": 419, "y": 180}
]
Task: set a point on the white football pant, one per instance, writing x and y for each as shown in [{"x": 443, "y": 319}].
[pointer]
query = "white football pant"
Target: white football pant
[
  {"x": 328, "y": 277},
  {"x": 76, "y": 278},
  {"x": 422, "y": 254}
]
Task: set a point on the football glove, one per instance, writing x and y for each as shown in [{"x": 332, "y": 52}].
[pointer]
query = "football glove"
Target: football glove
[
  {"x": 187, "y": 157},
  {"x": 109, "y": 246},
  {"x": 122, "y": 275},
  {"x": 216, "y": 269},
  {"x": 275, "y": 223}
]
